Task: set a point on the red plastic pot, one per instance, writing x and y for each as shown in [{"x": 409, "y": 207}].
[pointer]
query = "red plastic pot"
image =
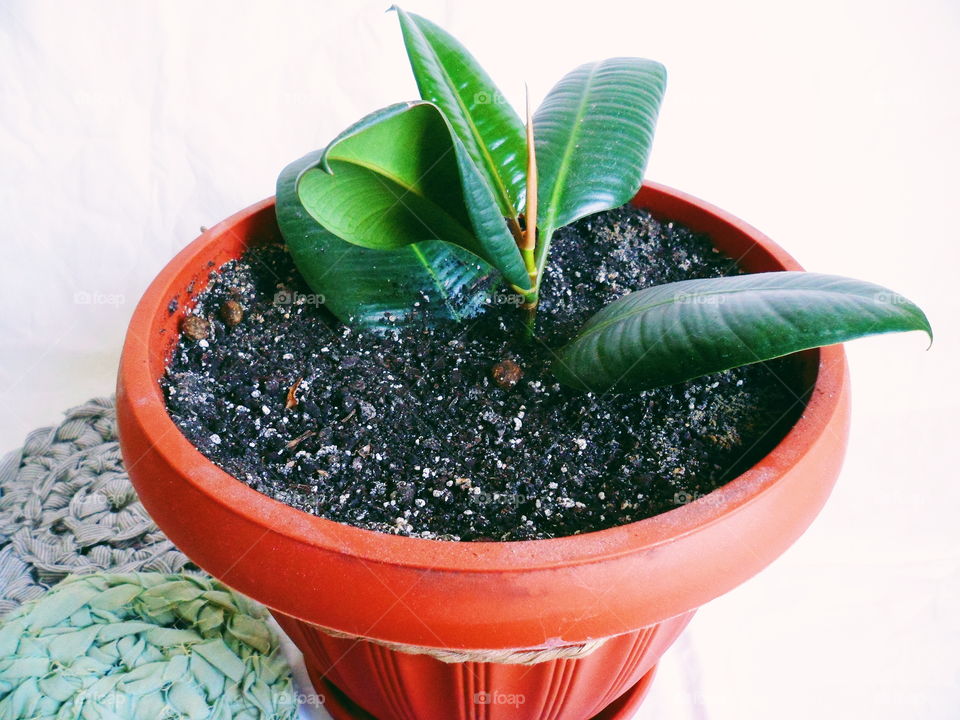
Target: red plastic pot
[{"x": 637, "y": 584}]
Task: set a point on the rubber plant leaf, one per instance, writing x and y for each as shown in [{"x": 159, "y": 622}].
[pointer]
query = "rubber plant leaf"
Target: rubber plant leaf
[
  {"x": 372, "y": 288},
  {"x": 490, "y": 129},
  {"x": 401, "y": 176},
  {"x": 593, "y": 135},
  {"x": 682, "y": 330}
]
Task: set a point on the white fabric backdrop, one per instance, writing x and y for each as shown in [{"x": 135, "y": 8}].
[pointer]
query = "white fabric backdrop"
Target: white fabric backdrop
[{"x": 832, "y": 126}]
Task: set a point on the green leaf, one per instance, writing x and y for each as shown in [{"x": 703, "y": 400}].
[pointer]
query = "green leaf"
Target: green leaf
[
  {"x": 491, "y": 131},
  {"x": 370, "y": 287},
  {"x": 678, "y": 331},
  {"x": 593, "y": 134},
  {"x": 400, "y": 176}
]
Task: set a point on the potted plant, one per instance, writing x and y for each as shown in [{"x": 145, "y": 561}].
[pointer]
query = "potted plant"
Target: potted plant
[{"x": 442, "y": 211}]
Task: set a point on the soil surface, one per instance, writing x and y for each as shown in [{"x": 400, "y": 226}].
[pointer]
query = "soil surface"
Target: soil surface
[{"x": 459, "y": 432}]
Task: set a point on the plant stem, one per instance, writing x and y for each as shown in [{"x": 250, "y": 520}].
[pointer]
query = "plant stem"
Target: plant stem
[
  {"x": 541, "y": 257},
  {"x": 529, "y": 246}
]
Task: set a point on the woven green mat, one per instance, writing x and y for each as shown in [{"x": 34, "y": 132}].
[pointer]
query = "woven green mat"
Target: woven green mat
[
  {"x": 142, "y": 645},
  {"x": 67, "y": 507},
  {"x": 127, "y": 635}
]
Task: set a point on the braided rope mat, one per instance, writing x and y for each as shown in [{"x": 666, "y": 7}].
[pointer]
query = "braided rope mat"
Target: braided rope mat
[
  {"x": 67, "y": 507},
  {"x": 142, "y": 645}
]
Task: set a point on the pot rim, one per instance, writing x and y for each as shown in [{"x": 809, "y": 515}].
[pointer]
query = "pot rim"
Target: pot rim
[{"x": 146, "y": 404}]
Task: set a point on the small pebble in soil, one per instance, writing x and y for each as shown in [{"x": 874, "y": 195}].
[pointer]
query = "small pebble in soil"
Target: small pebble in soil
[
  {"x": 460, "y": 432},
  {"x": 506, "y": 373},
  {"x": 195, "y": 327},
  {"x": 232, "y": 312}
]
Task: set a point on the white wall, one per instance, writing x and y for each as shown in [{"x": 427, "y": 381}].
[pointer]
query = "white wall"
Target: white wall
[{"x": 832, "y": 126}]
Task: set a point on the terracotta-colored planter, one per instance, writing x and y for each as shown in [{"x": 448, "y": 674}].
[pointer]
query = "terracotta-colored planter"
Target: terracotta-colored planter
[{"x": 638, "y": 583}]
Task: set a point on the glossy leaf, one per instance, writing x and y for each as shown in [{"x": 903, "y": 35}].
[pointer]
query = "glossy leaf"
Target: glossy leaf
[
  {"x": 370, "y": 287},
  {"x": 491, "y": 131},
  {"x": 593, "y": 136},
  {"x": 678, "y": 331},
  {"x": 401, "y": 176}
]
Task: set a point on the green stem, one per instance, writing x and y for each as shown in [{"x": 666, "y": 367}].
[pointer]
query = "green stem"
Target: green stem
[
  {"x": 529, "y": 260},
  {"x": 543, "y": 250},
  {"x": 530, "y": 323},
  {"x": 530, "y": 302}
]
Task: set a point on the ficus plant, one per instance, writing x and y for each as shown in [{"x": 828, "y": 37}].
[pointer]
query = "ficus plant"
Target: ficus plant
[{"x": 419, "y": 205}]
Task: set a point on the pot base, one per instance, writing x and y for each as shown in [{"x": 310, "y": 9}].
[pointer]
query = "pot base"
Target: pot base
[{"x": 341, "y": 707}]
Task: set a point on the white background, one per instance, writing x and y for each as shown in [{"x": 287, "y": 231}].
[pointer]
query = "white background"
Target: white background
[{"x": 831, "y": 126}]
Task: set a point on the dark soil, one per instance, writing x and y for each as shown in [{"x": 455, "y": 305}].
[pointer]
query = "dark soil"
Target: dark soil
[{"x": 459, "y": 431}]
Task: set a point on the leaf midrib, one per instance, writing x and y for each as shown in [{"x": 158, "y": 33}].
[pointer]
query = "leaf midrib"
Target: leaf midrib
[
  {"x": 436, "y": 281},
  {"x": 313, "y": 164},
  {"x": 630, "y": 314},
  {"x": 412, "y": 189},
  {"x": 478, "y": 139},
  {"x": 380, "y": 170},
  {"x": 571, "y": 143}
]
